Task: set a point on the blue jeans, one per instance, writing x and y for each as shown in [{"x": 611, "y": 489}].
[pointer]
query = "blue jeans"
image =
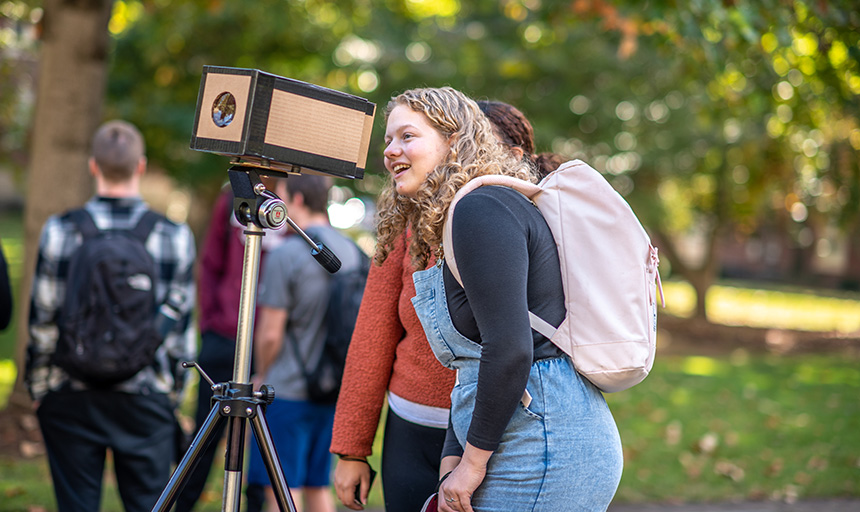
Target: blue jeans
[{"x": 560, "y": 452}]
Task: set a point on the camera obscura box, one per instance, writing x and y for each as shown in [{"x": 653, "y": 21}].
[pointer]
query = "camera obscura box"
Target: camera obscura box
[{"x": 281, "y": 124}]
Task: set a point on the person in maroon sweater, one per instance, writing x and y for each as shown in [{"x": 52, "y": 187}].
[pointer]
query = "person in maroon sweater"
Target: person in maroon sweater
[{"x": 389, "y": 357}]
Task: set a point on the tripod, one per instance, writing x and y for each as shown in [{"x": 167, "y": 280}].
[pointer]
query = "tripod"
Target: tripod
[{"x": 236, "y": 401}]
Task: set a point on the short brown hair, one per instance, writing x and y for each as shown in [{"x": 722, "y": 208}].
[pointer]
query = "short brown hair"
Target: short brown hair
[
  {"x": 117, "y": 149},
  {"x": 313, "y": 188}
]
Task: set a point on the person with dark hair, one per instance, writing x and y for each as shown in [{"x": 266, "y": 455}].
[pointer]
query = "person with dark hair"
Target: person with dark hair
[
  {"x": 133, "y": 418},
  {"x": 526, "y": 431},
  {"x": 389, "y": 358},
  {"x": 291, "y": 327},
  {"x": 514, "y": 130},
  {"x": 5, "y": 292}
]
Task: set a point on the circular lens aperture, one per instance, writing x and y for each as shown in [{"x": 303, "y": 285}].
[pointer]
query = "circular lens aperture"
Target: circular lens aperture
[{"x": 224, "y": 109}]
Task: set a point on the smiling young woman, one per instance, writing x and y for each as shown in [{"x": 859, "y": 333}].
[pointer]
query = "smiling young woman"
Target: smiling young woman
[
  {"x": 560, "y": 444},
  {"x": 430, "y": 150}
]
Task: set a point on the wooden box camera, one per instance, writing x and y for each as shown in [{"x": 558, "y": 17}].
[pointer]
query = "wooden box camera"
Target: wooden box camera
[{"x": 280, "y": 124}]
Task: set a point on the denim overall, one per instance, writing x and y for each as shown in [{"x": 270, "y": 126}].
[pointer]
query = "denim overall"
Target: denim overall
[{"x": 560, "y": 451}]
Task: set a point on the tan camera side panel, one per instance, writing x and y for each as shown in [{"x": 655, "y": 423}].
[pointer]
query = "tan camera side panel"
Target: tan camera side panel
[
  {"x": 313, "y": 126},
  {"x": 240, "y": 87}
]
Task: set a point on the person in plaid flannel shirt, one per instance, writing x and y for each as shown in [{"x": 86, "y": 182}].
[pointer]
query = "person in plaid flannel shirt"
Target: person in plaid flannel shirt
[{"x": 135, "y": 419}]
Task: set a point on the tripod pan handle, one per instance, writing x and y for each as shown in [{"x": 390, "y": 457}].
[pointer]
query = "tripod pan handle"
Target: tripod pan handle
[{"x": 326, "y": 258}]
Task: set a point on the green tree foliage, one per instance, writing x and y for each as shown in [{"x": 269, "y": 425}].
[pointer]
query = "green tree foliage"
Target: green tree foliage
[
  {"x": 17, "y": 67},
  {"x": 162, "y": 47},
  {"x": 710, "y": 116}
]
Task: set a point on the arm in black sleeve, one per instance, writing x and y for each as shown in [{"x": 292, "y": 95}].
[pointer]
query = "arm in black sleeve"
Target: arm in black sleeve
[
  {"x": 452, "y": 445},
  {"x": 5, "y": 293},
  {"x": 491, "y": 247}
]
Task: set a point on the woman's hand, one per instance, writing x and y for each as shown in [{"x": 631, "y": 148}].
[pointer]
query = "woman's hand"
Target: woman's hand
[
  {"x": 349, "y": 474},
  {"x": 455, "y": 492}
]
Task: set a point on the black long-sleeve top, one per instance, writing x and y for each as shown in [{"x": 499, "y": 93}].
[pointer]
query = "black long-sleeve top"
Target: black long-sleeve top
[{"x": 509, "y": 265}]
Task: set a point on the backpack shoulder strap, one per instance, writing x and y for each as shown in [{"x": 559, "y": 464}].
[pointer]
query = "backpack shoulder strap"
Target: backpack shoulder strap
[
  {"x": 144, "y": 226},
  {"x": 84, "y": 222},
  {"x": 530, "y": 190}
]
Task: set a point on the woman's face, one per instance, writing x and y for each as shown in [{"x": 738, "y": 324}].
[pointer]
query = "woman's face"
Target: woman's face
[{"x": 413, "y": 148}]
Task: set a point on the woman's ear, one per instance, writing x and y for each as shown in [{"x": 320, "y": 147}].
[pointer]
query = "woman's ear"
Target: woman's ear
[{"x": 518, "y": 152}]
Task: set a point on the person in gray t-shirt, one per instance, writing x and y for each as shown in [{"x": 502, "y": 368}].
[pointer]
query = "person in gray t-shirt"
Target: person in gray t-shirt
[{"x": 291, "y": 306}]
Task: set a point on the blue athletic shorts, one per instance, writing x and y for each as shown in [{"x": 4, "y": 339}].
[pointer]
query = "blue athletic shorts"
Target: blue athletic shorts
[{"x": 301, "y": 432}]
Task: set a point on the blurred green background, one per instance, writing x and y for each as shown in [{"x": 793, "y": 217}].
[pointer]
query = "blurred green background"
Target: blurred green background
[{"x": 730, "y": 126}]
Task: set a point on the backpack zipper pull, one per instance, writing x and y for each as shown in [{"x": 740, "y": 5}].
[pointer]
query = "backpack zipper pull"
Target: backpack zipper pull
[{"x": 653, "y": 264}]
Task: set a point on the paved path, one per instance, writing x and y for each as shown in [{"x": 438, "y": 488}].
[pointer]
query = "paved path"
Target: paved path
[{"x": 824, "y": 505}]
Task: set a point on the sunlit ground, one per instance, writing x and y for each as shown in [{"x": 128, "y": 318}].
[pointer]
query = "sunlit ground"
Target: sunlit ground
[
  {"x": 731, "y": 305},
  {"x": 734, "y": 305},
  {"x": 737, "y": 427}
]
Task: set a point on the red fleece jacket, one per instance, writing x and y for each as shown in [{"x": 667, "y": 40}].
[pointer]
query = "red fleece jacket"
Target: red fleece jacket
[{"x": 388, "y": 351}]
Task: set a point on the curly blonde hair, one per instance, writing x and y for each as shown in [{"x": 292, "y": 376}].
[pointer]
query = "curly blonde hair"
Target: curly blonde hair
[{"x": 474, "y": 151}]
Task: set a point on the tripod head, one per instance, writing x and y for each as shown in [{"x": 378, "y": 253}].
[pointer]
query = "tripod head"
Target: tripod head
[{"x": 253, "y": 203}]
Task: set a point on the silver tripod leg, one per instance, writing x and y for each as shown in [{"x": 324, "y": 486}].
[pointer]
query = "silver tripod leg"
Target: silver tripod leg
[
  {"x": 189, "y": 461},
  {"x": 273, "y": 466}
]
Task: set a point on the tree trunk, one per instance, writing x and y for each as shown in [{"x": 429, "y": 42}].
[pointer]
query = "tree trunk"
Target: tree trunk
[
  {"x": 701, "y": 276},
  {"x": 71, "y": 86},
  {"x": 704, "y": 273}
]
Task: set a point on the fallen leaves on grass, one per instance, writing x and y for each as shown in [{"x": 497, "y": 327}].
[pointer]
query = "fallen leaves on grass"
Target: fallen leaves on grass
[
  {"x": 729, "y": 469},
  {"x": 708, "y": 443}
]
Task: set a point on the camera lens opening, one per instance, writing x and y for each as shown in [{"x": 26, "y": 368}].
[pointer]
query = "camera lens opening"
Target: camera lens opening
[{"x": 224, "y": 109}]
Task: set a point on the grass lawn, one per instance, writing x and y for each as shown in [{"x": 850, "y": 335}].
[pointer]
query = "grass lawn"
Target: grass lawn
[
  {"x": 782, "y": 307},
  {"x": 697, "y": 429},
  {"x": 738, "y": 426},
  {"x": 741, "y": 427}
]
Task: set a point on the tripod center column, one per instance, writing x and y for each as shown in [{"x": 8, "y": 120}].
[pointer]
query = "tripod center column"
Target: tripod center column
[{"x": 247, "y": 302}]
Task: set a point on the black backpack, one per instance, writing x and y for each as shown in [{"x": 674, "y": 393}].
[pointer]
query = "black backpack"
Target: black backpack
[
  {"x": 107, "y": 324},
  {"x": 346, "y": 289}
]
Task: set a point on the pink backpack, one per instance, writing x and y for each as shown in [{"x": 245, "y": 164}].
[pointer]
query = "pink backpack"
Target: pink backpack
[{"x": 608, "y": 269}]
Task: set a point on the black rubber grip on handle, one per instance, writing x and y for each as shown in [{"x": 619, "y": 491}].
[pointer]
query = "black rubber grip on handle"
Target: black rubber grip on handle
[{"x": 326, "y": 258}]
